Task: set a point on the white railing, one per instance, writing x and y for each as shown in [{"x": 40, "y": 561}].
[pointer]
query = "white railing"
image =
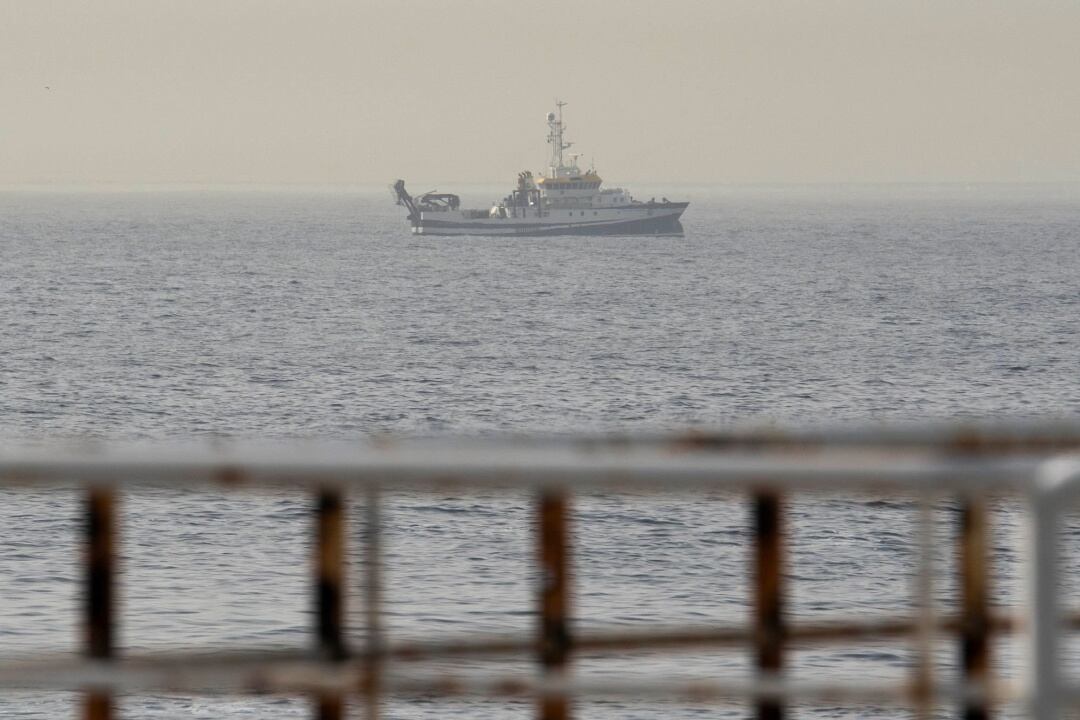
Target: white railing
[{"x": 926, "y": 464}]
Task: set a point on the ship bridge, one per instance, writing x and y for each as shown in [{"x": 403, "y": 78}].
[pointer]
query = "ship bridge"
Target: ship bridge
[
  {"x": 588, "y": 183},
  {"x": 580, "y": 191}
]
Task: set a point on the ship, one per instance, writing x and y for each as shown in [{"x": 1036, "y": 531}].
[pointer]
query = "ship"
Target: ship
[{"x": 562, "y": 201}]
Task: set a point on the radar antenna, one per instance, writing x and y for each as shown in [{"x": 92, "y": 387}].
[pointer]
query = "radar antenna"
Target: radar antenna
[{"x": 555, "y": 138}]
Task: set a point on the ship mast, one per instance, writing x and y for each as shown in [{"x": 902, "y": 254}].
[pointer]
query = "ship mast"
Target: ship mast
[{"x": 555, "y": 139}]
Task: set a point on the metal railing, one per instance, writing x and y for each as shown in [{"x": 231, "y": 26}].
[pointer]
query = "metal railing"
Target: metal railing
[{"x": 968, "y": 464}]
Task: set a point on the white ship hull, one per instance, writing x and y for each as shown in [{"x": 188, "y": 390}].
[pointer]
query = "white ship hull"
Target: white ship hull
[{"x": 641, "y": 219}]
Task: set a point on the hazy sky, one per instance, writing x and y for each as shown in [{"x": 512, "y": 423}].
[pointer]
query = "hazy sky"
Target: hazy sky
[{"x": 265, "y": 91}]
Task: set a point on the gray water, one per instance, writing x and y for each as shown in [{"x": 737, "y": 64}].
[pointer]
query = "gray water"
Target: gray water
[{"x": 308, "y": 313}]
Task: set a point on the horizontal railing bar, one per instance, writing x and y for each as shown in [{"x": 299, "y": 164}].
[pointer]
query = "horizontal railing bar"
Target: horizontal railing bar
[
  {"x": 690, "y": 637},
  {"x": 648, "y": 639},
  {"x": 287, "y": 675},
  {"x": 822, "y": 631},
  {"x": 972, "y": 438},
  {"x": 960, "y": 437},
  {"x": 701, "y": 691},
  {"x": 441, "y": 468}
]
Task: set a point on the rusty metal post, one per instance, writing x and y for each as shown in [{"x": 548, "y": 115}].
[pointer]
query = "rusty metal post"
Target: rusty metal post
[
  {"x": 554, "y": 550},
  {"x": 330, "y": 591},
  {"x": 975, "y": 602},
  {"x": 923, "y": 670},
  {"x": 100, "y": 568},
  {"x": 768, "y": 596},
  {"x": 372, "y": 681}
]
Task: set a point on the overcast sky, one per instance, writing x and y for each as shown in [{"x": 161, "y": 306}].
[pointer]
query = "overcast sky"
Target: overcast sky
[{"x": 364, "y": 91}]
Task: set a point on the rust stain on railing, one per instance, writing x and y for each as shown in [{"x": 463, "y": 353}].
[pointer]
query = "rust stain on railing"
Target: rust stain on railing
[
  {"x": 555, "y": 639},
  {"x": 769, "y": 596},
  {"x": 974, "y": 599},
  {"x": 100, "y": 592},
  {"x": 370, "y": 683},
  {"x": 330, "y": 591}
]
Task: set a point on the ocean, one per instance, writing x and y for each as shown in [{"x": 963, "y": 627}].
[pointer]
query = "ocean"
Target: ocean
[{"x": 180, "y": 314}]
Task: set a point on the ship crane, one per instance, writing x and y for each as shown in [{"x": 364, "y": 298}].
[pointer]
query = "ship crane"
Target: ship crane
[{"x": 404, "y": 198}]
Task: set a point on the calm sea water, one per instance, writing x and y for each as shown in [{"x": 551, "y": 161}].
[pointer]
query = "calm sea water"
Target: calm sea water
[{"x": 274, "y": 314}]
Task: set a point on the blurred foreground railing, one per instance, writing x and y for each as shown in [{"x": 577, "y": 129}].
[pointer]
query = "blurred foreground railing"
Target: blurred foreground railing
[{"x": 968, "y": 464}]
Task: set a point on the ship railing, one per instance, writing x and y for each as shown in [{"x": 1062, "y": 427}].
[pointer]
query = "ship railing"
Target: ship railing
[{"x": 967, "y": 465}]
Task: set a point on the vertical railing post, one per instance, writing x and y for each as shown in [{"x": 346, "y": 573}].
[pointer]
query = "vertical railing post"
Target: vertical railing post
[
  {"x": 330, "y": 591},
  {"x": 768, "y": 596},
  {"x": 923, "y": 670},
  {"x": 975, "y": 613},
  {"x": 100, "y": 569},
  {"x": 555, "y": 640},
  {"x": 372, "y": 683},
  {"x": 1056, "y": 486}
]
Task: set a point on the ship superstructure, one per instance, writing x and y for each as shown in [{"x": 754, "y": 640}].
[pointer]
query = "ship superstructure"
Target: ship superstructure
[{"x": 563, "y": 201}]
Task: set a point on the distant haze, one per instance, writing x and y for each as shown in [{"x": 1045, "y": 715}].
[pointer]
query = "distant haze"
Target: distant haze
[{"x": 354, "y": 92}]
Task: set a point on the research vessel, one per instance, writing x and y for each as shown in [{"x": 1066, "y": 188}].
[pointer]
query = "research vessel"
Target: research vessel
[{"x": 563, "y": 201}]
